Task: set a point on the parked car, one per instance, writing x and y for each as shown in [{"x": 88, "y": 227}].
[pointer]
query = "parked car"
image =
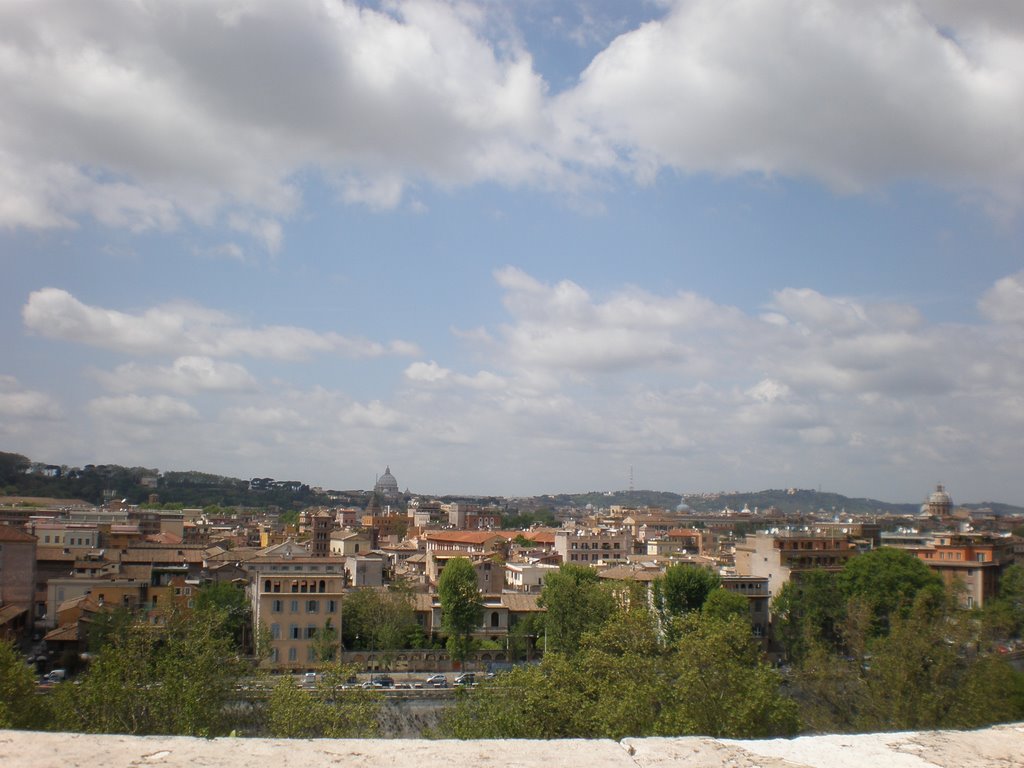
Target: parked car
[
  {"x": 309, "y": 680},
  {"x": 382, "y": 681},
  {"x": 437, "y": 681},
  {"x": 55, "y": 676},
  {"x": 467, "y": 679}
]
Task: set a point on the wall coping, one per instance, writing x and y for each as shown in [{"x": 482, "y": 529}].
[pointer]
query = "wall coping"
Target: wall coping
[{"x": 1001, "y": 745}]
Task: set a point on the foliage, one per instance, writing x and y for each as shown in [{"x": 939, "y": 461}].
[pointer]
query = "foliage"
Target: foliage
[
  {"x": 682, "y": 589},
  {"x": 722, "y": 687},
  {"x": 807, "y": 611},
  {"x": 12, "y": 467},
  {"x": 148, "y": 679},
  {"x": 926, "y": 672},
  {"x": 724, "y": 603},
  {"x": 576, "y": 602},
  {"x": 20, "y": 707},
  {"x": 889, "y": 579},
  {"x": 327, "y": 711},
  {"x": 231, "y": 601},
  {"x": 523, "y": 636},
  {"x": 625, "y": 681},
  {"x": 379, "y": 619},
  {"x": 107, "y": 626},
  {"x": 1004, "y": 616},
  {"x": 461, "y": 607},
  {"x": 326, "y": 643}
]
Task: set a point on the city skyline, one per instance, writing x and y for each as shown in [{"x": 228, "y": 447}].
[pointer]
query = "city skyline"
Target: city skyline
[{"x": 518, "y": 250}]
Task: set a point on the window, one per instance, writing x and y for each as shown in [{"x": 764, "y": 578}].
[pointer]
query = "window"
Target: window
[
  {"x": 312, "y": 606},
  {"x": 275, "y": 631},
  {"x": 294, "y": 632},
  {"x": 293, "y": 654},
  {"x": 266, "y": 585},
  {"x": 323, "y": 585},
  {"x": 295, "y": 606},
  {"x": 332, "y": 606},
  {"x": 310, "y": 632},
  {"x": 494, "y": 618}
]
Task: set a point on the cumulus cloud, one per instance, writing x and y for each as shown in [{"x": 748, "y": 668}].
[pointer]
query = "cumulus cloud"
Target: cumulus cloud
[
  {"x": 144, "y": 117},
  {"x": 186, "y": 375},
  {"x": 1004, "y": 302},
  {"x": 159, "y": 409},
  {"x": 186, "y": 329},
  {"x": 20, "y": 404},
  {"x": 854, "y": 94}
]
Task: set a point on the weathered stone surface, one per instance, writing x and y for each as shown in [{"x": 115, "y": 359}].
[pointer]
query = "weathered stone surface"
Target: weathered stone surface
[{"x": 997, "y": 747}]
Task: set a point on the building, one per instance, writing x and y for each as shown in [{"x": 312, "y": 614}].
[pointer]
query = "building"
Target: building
[
  {"x": 591, "y": 546},
  {"x": 783, "y": 555},
  {"x": 527, "y": 577},
  {"x": 17, "y": 580},
  {"x": 386, "y": 485},
  {"x": 972, "y": 563},
  {"x": 295, "y": 597}
]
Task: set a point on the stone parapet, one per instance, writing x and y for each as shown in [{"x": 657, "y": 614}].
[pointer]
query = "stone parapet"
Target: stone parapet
[{"x": 1001, "y": 746}]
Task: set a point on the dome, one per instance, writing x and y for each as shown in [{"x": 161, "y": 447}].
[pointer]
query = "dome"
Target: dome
[
  {"x": 387, "y": 484},
  {"x": 939, "y": 496}
]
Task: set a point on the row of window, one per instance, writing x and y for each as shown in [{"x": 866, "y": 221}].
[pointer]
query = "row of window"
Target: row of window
[
  {"x": 295, "y": 632},
  {"x": 311, "y": 606},
  {"x": 296, "y": 585},
  {"x": 596, "y": 545},
  {"x": 293, "y": 654}
]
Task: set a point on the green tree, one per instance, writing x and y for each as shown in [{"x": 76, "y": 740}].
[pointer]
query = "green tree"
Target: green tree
[
  {"x": 1004, "y": 616},
  {"x": 461, "y": 607},
  {"x": 889, "y": 579},
  {"x": 379, "y": 619},
  {"x": 326, "y": 643},
  {"x": 231, "y": 601},
  {"x": 576, "y": 602},
  {"x": 20, "y": 707},
  {"x": 722, "y": 686},
  {"x": 809, "y": 610},
  {"x": 724, "y": 603},
  {"x": 682, "y": 589},
  {"x": 173, "y": 679},
  {"x": 327, "y": 712}
]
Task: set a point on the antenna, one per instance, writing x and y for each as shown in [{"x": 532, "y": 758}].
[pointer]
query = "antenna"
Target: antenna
[{"x": 631, "y": 478}]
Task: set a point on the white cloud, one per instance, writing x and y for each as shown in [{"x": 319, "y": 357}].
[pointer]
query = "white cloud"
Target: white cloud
[
  {"x": 212, "y": 111},
  {"x": 854, "y": 94},
  {"x": 373, "y": 414},
  {"x": 159, "y": 409},
  {"x": 20, "y": 404},
  {"x": 185, "y": 329},
  {"x": 1004, "y": 302},
  {"x": 186, "y": 375}
]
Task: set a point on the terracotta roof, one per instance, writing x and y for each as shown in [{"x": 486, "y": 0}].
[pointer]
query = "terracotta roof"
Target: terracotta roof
[
  {"x": 462, "y": 537},
  {"x": 515, "y": 601},
  {"x": 164, "y": 537},
  {"x": 630, "y": 573},
  {"x": 12, "y": 534},
  {"x": 66, "y": 634},
  {"x": 11, "y": 612}
]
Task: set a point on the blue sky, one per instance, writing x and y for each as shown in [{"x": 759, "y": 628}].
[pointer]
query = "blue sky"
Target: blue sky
[{"x": 520, "y": 247}]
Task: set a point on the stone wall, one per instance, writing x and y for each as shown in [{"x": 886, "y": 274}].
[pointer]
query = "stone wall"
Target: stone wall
[{"x": 1001, "y": 746}]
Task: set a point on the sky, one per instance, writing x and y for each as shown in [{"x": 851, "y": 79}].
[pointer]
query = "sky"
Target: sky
[{"x": 521, "y": 247}]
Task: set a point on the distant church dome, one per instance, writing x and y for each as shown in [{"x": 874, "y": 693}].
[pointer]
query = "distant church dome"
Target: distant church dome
[
  {"x": 387, "y": 485},
  {"x": 940, "y": 504}
]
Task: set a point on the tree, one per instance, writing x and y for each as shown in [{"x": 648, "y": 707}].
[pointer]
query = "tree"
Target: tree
[
  {"x": 724, "y": 603},
  {"x": 683, "y": 588},
  {"x": 13, "y": 467},
  {"x": 20, "y": 707},
  {"x": 231, "y": 600},
  {"x": 721, "y": 685},
  {"x": 461, "y": 607},
  {"x": 1004, "y": 616},
  {"x": 326, "y": 643},
  {"x": 889, "y": 579},
  {"x": 173, "y": 679},
  {"x": 576, "y": 602},
  {"x": 326, "y": 712},
  {"x": 809, "y": 610},
  {"x": 376, "y": 619}
]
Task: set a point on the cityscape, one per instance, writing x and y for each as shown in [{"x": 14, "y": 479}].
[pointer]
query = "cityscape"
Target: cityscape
[
  {"x": 357, "y": 578},
  {"x": 458, "y": 370}
]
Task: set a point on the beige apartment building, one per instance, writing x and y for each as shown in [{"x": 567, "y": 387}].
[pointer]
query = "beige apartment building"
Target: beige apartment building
[{"x": 294, "y": 597}]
